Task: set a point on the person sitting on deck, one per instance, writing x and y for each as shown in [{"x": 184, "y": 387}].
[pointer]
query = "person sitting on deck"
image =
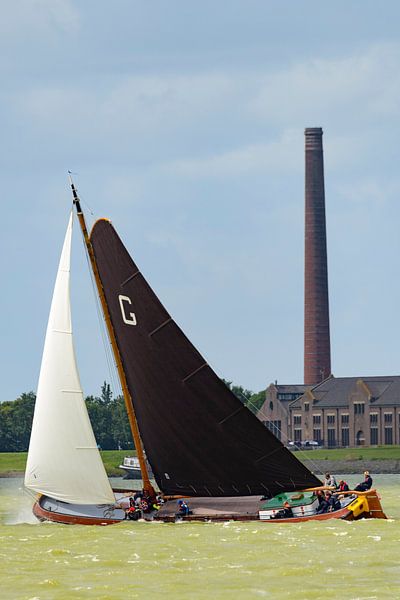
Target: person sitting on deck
[
  {"x": 330, "y": 480},
  {"x": 157, "y": 503},
  {"x": 343, "y": 486},
  {"x": 323, "y": 503},
  {"x": 133, "y": 513},
  {"x": 366, "y": 484},
  {"x": 333, "y": 501},
  {"x": 146, "y": 504},
  {"x": 160, "y": 499},
  {"x": 285, "y": 513},
  {"x": 183, "y": 509},
  {"x": 138, "y": 497}
]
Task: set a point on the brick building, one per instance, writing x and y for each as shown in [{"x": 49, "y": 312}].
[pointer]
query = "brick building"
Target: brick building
[{"x": 340, "y": 411}]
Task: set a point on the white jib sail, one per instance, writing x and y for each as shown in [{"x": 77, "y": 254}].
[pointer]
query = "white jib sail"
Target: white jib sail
[{"x": 63, "y": 459}]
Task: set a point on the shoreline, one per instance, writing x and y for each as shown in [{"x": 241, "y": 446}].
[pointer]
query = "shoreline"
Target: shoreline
[
  {"x": 354, "y": 467},
  {"x": 317, "y": 466}
]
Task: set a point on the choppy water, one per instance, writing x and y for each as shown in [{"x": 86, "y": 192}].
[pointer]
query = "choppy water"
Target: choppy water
[{"x": 333, "y": 559}]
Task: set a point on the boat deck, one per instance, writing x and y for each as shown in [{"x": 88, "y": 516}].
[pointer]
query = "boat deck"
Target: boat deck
[{"x": 243, "y": 508}]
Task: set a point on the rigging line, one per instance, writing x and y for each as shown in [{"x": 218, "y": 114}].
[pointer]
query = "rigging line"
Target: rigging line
[
  {"x": 28, "y": 492},
  {"x": 282, "y": 433},
  {"x": 304, "y": 453},
  {"x": 112, "y": 371},
  {"x": 81, "y": 201},
  {"x": 111, "y": 365},
  {"x": 106, "y": 346}
]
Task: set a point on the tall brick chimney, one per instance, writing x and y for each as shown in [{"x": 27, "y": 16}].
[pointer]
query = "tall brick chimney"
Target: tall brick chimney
[{"x": 317, "y": 348}]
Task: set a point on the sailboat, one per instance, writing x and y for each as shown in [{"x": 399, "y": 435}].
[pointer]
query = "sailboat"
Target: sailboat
[{"x": 201, "y": 442}]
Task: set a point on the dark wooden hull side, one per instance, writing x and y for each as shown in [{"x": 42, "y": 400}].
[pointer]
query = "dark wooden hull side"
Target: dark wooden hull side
[
  {"x": 366, "y": 506},
  {"x": 43, "y": 515}
]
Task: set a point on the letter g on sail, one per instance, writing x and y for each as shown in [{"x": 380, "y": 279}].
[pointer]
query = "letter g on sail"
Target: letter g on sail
[{"x": 129, "y": 319}]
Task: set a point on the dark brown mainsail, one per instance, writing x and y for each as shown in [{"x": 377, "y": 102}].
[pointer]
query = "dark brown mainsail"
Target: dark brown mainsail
[{"x": 199, "y": 438}]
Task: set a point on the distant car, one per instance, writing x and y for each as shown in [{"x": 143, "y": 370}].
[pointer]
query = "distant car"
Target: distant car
[
  {"x": 310, "y": 444},
  {"x": 293, "y": 445}
]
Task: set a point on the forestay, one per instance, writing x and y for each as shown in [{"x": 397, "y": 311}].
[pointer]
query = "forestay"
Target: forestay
[{"x": 63, "y": 459}]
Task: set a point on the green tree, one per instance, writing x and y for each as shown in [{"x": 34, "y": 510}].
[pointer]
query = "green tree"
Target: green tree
[
  {"x": 106, "y": 393},
  {"x": 239, "y": 391},
  {"x": 121, "y": 430},
  {"x": 109, "y": 420},
  {"x": 100, "y": 418},
  {"x": 16, "y": 423},
  {"x": 252, "y": 400},
  {"x": 256, "y": 401}
]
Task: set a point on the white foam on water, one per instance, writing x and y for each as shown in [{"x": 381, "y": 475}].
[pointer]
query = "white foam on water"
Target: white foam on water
[{"x": 22, "y": 516}]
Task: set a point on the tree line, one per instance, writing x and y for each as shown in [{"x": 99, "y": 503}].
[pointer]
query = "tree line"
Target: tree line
[{"x": 107, "y": 415}]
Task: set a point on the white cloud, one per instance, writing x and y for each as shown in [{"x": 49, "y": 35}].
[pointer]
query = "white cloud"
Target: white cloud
[
  {"x": 351, "y": 87},
  {"x": 227, "y": 123},
  {"x": 278, "y": 155},
  {"x": 148, "y": 105}
]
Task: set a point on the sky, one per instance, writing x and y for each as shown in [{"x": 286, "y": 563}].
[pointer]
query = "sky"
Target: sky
[{"x": 183, "y": 122}]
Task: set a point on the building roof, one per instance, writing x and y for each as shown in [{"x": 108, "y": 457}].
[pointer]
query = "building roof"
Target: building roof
[
  {"x": 335, "y": 392},
  {"x": 290, "y": 389}
]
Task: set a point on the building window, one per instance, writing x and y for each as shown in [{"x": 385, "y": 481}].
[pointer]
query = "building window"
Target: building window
[
  {"x": 297, "y": 435},
  {"x": 316, "y": 420},
  {"x": 373, "y": 418},
  {"x": 331, "y": 437},
  {"x": 306, "y": 406},
  {"x": 293, "y": 396},
  {"x": 275, "y": 427},
  {"x": 317, "y": 435},
  {"x": 331, "y": 419},
  {"x": 388, "y": 435},
  {"x": 387, "y": 417},
  {"x": 345, "y": 436},
  {"x": 271, "y": 405},
  {"x": 374, "y": 436},
  {"x": 360, "y": 438},
  {"x": 359, "y": 408},
  {"x": 296, "y": 419},
  {"x": 345, "y": 419}
]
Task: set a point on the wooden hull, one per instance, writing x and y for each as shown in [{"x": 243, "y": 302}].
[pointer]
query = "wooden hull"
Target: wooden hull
[
  {"x": 365, "y": 506},
  {"x": 344, "y": 513},
  {"x": 48, "y": 509}
]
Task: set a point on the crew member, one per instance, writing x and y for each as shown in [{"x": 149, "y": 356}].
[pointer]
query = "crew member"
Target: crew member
[
  {"x": 330, "y": 480},
  {"x": 366, "y": 484},
  {"x": 285, "y": 513},
  {"x": 323, "y": 505},
  {"x": 183, "y": 509},
  {"x": 333, "y": 501},
  {"x": 133, "y": 512}
]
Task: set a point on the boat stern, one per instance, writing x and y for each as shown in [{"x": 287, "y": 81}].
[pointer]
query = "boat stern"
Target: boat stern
[{"x": 367, "y": 505}]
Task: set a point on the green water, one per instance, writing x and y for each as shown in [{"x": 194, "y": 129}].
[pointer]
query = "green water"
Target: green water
[{"x": 332, "y": 559}]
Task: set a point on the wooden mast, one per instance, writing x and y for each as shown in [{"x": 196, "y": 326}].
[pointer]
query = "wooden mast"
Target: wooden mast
[{"x": 147, "y": 486}]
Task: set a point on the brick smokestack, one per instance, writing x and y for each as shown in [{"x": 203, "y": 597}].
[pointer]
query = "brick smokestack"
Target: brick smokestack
[{"x": 317, "y": 348}]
